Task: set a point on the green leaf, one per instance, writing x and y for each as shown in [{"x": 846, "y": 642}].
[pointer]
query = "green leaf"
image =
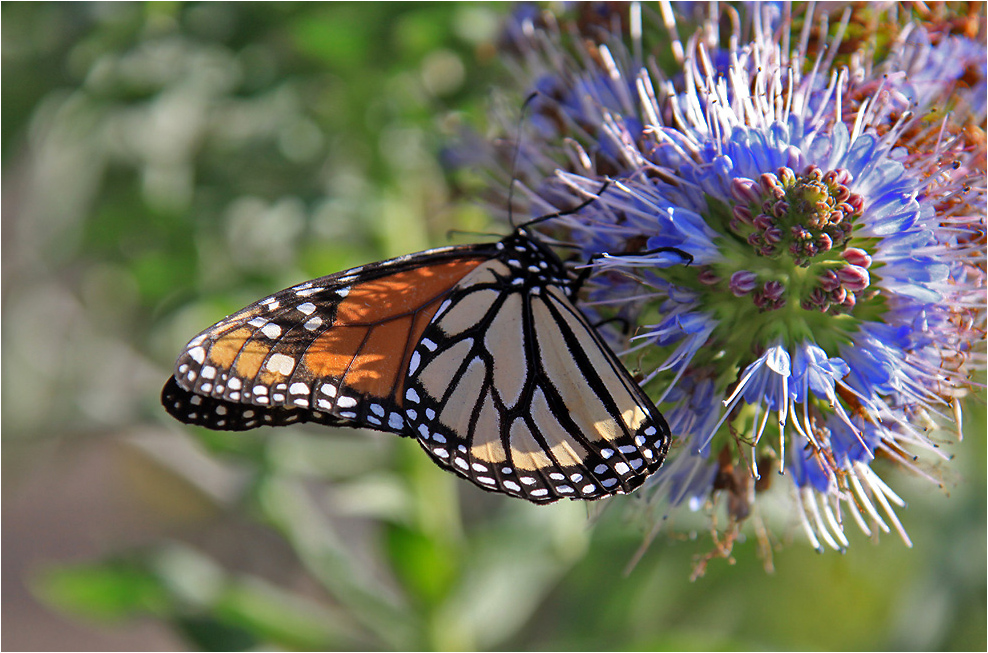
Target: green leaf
[
  {"x": 109, "y": 591},
  {"x": 288, "y": 620},
  {"x": 427, "y": 567},
  {"x": 210, "y": 634}
]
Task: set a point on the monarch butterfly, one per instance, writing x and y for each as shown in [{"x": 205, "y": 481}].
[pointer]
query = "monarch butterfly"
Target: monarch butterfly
[{"x": 477, "y": 351}]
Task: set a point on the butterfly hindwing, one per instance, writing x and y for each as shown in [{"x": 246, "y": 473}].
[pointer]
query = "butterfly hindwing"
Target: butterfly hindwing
[{"x": 511, "y": 388}]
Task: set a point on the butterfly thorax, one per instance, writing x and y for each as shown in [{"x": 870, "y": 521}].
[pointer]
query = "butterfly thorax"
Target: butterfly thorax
[{"x": 533, "y": 264}]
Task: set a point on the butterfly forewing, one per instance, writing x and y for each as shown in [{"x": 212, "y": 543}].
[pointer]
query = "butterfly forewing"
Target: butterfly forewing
[
  {"x": 222, "y": 415},
  {"x": 511, "y": 388},
  {"x": 337, "y": 345}
]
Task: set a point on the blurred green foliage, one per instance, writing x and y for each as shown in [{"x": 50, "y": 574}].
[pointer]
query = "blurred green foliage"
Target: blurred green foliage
[{"x": 167, "y": 163}]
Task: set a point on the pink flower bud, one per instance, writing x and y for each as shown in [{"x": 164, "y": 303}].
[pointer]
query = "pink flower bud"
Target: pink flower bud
[
  {"x": 829, "y": 281},
  {"x": 707, "y": 277},
  {"x": 769, "y": 182},
  {"x": 774, "y": 289},
  {"x": 772, "y": 235},
  {"x": 854, "y": 277},
  {"x": 856, "y": 256},
  {"x": 742, "y": 282},
  {"x": 745, "y": 190},
  {"x": 763, "y": 221},
  {"x": 742, "y": 213}
]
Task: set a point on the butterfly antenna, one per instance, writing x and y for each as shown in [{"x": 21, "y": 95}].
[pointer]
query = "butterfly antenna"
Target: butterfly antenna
[
  {"x": 514, "y": 158},
  {"x": 514, "y": 169},
  {"x": 576, "y": 209}
]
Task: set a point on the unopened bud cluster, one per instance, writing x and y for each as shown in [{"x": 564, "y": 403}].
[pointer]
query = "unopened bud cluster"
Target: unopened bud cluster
[
  {"x": 804, "y": 215},
  {"x": 808, "y": 216},
  {"x": 840, "y": 287}
]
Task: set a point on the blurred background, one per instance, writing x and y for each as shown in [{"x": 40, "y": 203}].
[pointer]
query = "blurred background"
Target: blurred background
[{"x": 167, "y": 163}]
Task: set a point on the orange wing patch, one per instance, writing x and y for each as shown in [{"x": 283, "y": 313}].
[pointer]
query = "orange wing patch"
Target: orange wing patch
[
  {"x": 402, "y": 293},
  {"x": 377, "y": 325}
]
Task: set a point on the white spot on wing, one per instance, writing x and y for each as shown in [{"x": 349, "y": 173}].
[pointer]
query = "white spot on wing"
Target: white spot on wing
[
  {"x": 308, "y": 308},
  {"x": 198, "y": 354},
  {"x": 280, "y": 364},
  {"x": 271, "y": 330}
]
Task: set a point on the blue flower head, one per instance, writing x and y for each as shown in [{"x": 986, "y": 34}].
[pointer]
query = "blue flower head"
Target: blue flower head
[{"x": 835, "y": 215}]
